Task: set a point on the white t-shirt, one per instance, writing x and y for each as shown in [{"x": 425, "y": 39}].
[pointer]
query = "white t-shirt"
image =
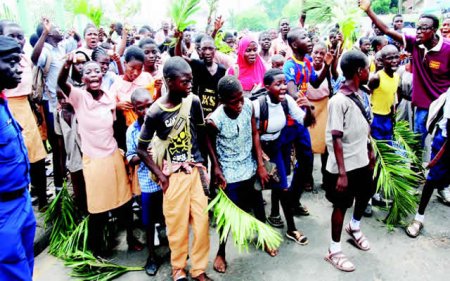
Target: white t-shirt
[
  {"x": 443, "y": 123},
  {"x": 277, "y": 118},
  {"x": 345, "y": 116}
]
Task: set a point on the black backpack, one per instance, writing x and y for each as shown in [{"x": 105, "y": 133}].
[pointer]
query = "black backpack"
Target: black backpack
[{"x": 260, "y": 95}]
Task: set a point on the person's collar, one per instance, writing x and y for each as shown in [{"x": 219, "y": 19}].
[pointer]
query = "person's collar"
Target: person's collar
[
  {"x": 298, "y": 61},
  {"x": 438, "y": 46}
]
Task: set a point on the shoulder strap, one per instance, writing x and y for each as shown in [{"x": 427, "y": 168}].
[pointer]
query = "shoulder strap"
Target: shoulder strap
[
  {"x": 285, "y": 106},
  {"x": 48, "y": 62},
  {"x": 182, "y": 117},
  {"x": 358, "y": 103},
  {"x": 263, "y": 114}
]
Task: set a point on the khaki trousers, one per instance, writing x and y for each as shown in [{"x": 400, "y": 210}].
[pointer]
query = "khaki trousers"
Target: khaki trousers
[{"x": 185, "y": 203}]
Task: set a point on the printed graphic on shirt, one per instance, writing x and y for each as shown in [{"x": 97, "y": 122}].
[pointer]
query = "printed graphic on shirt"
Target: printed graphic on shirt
[
  {"x": 208, "y": 100},
  {"x": 434, "y": 64},
  {"x": 180, "y": 147}
]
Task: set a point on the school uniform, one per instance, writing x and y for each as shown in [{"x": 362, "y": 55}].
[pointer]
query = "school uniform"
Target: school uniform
[{"x": 17, "y": 221}]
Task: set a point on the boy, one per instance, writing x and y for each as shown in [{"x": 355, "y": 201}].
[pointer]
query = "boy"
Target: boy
[
  {"x": 180, "y": 173},
  {"x": 277, "y": 61},
  {"x": 364, "y": 45},
  {"x": 18, "y": 223},
  {"x": 299, "y": 72},
  {"x": 151, "y": 193},
  {"x": 349, "y": 166}
]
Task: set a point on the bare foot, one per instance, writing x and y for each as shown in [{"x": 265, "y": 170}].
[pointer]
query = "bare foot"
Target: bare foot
[
  {"x": 220, "y": 265},
  {"x": 271, "y": 252}
]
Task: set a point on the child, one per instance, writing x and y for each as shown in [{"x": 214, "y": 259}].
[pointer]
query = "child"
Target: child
[
  {"x": 101, "y": 56},
  {"x": 364, "y": 45},
  {"x": 178, "y": 168},
  {"x": 264, "y": 53},
  {"x": 271, "y": 122},
  {"x": 151, "y": 193},
  {"x": 351, "y": 159},
  {"x": 233, "y": 140},
  {"x": 107, "y": 183},
  {"x": 277, "y": 61},
  {"x": 299, "y": 72}
]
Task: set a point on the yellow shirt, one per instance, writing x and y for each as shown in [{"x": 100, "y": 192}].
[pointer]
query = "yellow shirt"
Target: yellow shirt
[{"x": 383, "y": 97}]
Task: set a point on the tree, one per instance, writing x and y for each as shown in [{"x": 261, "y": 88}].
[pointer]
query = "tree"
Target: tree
[
  {"x": 273, "y": 8},
  {"x": 292, "y": 10},
  {"x": 253, "y": 19},
  {"x": 383, "y": 7}
]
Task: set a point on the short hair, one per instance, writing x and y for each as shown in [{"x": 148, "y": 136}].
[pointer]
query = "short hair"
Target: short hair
[
  {"x": 88, "y": 63},
  {"x": 33, "y": 39},
  {"x": 386, "y": 49},
  {"x": 227, "y": 35},
  {"x": 277, "y": 57},
  {"x": 431, "y": 17},
  {"x": 143, "y": 30},
  {"x": 134, "y": 53},
  {"x": 294, "y": 33},
  {"x": 207, "y": 38},
  {"x": 320, "y": 44},
  {"x": 362, "y": 39},
  {"x": 173, "y": 66},
  {"x": 264, "y": 33},
  {"x": 228, "y": 86},
  {"x": 396, "y": 16},
  {"x": 39, "y": 29},
  {"x": 88, "y": 26},
  {"x": 270, "y": 74},
  {"x": 8, "y": 46},
  {"x": 84, "y": 54},
  {"x": 351, "y": 61},
  {"x": 377, "y": 41},
  {"x": 282, "y": 19},
  {"x": 5, "y": 23},
  {"x": 199, "y": 38},
  {"x": 139, "y": 92},
  {"x": 147, "y": 41},
  {"x": 98, "y": 52}
]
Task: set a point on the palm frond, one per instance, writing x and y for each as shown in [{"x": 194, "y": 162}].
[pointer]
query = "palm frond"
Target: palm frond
[
  {"x": 396, "y": 180},
  {"x": 243, "y": 227},
  {"x": 212, "y": 9},
  {"x": 182, "y": 11},
  {"x": 221, "y": 45},
  {"x": 410, "y": 141},
  {"x": 82, "y": 7}
]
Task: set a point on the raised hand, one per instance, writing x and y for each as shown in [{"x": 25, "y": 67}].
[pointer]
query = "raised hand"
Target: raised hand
[
  {"x": 218, "y": 23},
  {"x": 328, "y": 58},
  {"x": 47, "y": 25},
  {"x": 364, "y": 4}
]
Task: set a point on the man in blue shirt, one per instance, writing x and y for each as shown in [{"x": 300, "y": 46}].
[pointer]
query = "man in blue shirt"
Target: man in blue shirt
[{"x": 17, "y": 221}]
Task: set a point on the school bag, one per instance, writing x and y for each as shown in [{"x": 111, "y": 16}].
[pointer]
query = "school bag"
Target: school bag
[
  {"x": 160, "y": 146},
  {"x": 39, "y": 86},
  {"x": 264, "y": 109},
  {"x": 436, "y": 113}
]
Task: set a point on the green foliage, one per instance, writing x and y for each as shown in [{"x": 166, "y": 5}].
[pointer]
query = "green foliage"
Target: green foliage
[
  {"x": 212, "y": 10},
  {"x": 254, "y": 19},
  {"x": 292, "y": 10},
  {"x": 82, "y": 7},
  {"x": 394, "y": 175},
  {"x": 273, "y": 8},
  {"x": 383, "y": 7},
  {"x": 221, "y": 45},
  {"x": 126, "y": 8},
  {"x": 243, "y": 226},
  {"x": 182, "y": 11},
  {"x": 410, "y": 142}
]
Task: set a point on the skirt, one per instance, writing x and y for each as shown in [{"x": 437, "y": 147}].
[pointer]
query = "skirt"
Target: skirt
[
  {"x": 21, "y": 110},
  {"x": 107, "y": 182},
  {"x": 318, "y": 131}
]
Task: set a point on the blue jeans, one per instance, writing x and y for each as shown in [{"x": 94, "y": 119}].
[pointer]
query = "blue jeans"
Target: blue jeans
[
  {"x": 382, "y": 127},
  {"x": 420, "y": 121}
]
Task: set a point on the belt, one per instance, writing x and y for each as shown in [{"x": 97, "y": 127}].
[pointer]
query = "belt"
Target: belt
[{"x": 9, "y": 196}]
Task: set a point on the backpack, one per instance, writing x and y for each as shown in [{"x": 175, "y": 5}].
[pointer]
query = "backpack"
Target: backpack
[
  {"x": 264, "y": 109},
  {"x": 436, "y": 113},
  {"x": 39, "y": 86}
]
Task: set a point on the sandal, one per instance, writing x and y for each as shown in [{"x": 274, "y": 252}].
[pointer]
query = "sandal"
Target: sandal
[
  {"x": 340, "y": 261},
  {"x": 219, "y": 267},
  {"x": 414, "y": 228},
  {"x": 297, "y": 237},
  {"x": 179, "y": 275},
  {"x": 361, "y": 241},
  {"x": 271, "y": 252}
]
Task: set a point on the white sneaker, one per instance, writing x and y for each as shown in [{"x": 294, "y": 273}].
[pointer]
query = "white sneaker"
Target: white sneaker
[{"x": 445, "y": 194}]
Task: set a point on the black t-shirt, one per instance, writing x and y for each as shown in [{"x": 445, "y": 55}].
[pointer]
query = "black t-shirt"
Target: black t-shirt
[
  {"x": 160, "y": 120},
  {"x": 205, "y": 84}
]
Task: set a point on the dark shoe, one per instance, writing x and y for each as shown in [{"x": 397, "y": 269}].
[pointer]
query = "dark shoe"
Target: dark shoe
[
  {"x": 368, "y": 211},
  {"x": 151, "y": 267},
  {"x": 275, "y": 221},
  {"x": 301, "y": 211},
  {"x": 202, "y": 277},
  {"x": 134, "y": 244}
]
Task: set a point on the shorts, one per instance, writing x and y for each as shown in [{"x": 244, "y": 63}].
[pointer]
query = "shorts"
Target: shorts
[
  {"x": 439, "y": 174},
  {"x": 360, "y": 187},
  {"x": 152, "y": 210}
]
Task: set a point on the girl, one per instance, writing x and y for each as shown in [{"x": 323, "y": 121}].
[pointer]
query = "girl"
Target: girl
[
  {"x": 250, "y": 67},
  {"x": 90, "y": 40},
  {"x": 100, "y": 55},
  {"x": 152, "y": 66},
  {"x": 270, "y": 114},
  {"x": 232, "y": 138},
  {"x": 107, "y": 183}
]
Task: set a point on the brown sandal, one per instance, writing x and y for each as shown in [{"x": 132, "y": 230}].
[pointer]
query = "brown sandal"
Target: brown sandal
[
  {"x": 340, "y": 261},
  {"x": 360, "y": 241}
]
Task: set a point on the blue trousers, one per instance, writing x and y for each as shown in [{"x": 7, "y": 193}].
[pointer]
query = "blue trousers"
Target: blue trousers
[
  {"x": 439, "y": 174},
  {"x": 17, "y": 229},
  {"x": 382, "y": 127},
  {"x": 420, "y": 121}
]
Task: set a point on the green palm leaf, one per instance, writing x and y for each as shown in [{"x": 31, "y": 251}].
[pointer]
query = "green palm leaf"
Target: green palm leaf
[
  {"x": 394, "y": 175},
  {"x": 243, "y": 226},
  {"x": 182, "y": 11}
]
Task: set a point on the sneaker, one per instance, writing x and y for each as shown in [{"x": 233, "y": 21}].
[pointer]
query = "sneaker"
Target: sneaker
[
  {"x": 368, "y": 211},
  {"x": 275, "y": 221},
  {"x": 445, "y": 195}
]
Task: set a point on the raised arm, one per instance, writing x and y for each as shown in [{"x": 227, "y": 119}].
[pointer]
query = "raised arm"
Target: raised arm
[
  {"x": 40, "y": 43},
  {"x": 64, "y": 74},
  {"x": 328, "y": 61},
  {"x": 365, "y": 5}
]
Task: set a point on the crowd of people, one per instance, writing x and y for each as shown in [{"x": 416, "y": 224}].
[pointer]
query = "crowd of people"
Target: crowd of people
[{"x": 141, "y": 125}]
